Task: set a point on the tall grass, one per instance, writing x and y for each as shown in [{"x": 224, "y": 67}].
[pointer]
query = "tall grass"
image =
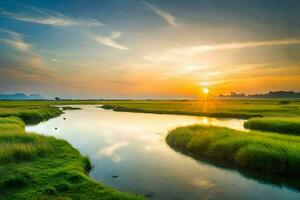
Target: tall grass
[
  {"x": 280, "y": 125},
  {"x": 32, "y": 115},
  {"x": 16, "y": 145},
  {"x": 259, "y": 151}
]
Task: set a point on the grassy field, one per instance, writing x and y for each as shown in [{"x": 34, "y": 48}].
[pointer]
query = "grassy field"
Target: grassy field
[
  {"x": 244, "y": 108},
  {"x": 38, "y": 167},
  {"x": 280, "y": 125},
  {"x": 236, "y": 108},
  {"x": 259, "y": 151}
]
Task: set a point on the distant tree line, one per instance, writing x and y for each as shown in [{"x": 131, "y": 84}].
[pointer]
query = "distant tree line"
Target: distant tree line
[{"x": 272, "y": 94}]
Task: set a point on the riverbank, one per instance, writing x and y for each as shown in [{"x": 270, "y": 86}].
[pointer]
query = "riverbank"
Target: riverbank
[
  {"x": 181, "y": 112},
  {"x": 259, "y": 151},
  {"x": 39, "y": 167}
]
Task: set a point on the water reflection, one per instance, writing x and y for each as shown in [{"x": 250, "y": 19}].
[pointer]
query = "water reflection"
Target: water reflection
[
  {"x": 129, "y": 153},
  {"x": 111, "y": 151}
]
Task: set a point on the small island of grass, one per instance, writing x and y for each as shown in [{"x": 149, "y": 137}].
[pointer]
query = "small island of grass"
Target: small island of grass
[
  {"x": 260, "y": 151},
  {"x": 70, "y": 108}
]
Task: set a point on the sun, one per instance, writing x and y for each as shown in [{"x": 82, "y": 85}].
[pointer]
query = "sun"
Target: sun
[{"x": 205, "y": 90}]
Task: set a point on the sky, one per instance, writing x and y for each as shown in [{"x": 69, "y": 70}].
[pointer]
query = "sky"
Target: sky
[{"x": 148, "y": 49}]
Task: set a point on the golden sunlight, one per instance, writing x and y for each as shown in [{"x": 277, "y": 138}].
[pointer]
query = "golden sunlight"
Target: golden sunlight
[{"x": 205, "y": 90}]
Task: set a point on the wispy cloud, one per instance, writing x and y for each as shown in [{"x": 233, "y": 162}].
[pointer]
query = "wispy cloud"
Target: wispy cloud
[
  {"x": 47, "y": 17},
  {"x": 168, "y": 17},
  {"x": 185, "y": 53},
  {"x": 25, "y": 64},
  {"x": 110, "y": 41},
  {"x": 235, "y": 45},
  {"x": 15, "y": 40},
  {"x": 72, "y": 63}
]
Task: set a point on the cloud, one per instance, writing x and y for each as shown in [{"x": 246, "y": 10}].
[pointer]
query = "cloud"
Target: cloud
[
  {"x": 186, "y": 53},
  {"x": 168, "y": 17},
  {"x": 47, "y": 17},
  {"x": 17, "y": 44},
  {"x": 54, "y": 60},
  {"x": 115, "y": 35},
  {"x": 24, "y": 64},
  {"x": 110, "y": 41},
  {"x": 72, "y": 63},
  {"x": 15, "y": 40},
  {"x": 214, "y": 83},
  {"x": 235, "y": 45}
]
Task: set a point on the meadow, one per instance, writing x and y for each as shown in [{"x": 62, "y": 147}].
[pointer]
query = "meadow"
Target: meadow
[{"x": 222, "y": 108}]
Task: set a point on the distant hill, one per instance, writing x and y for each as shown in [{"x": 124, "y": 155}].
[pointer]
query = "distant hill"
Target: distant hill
[
  {"x": 272, "y": 94},
  {"x": 21, "y": 96}
]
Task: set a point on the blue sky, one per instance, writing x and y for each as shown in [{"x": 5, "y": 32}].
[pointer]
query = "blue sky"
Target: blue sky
[{"x": 139, "y": 49}]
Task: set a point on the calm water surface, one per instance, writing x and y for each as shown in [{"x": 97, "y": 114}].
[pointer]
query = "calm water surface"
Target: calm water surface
[{"x": 129, "y": 153}]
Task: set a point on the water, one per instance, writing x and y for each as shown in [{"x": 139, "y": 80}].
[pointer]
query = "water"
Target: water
[{"x": 129, "y": 153}]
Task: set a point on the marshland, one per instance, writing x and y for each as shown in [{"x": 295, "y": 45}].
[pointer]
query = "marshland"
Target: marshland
[{"x": 57, "y": 148}]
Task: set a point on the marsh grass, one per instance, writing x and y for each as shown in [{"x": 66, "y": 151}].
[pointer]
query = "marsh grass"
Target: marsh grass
[
  {"x": 280, "y": 125},
  {"x": 181, "y": 112},
  {"x": 70, "y": 108},
  {"x": 31, "y": 115},
  {"x": 259, "y": 151},
  {"x": 16, "y": 145},
  {"x": 37, "y": 167}
]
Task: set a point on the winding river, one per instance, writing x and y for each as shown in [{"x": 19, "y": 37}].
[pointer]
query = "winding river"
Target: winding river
[{"x": 129, "y": 153}]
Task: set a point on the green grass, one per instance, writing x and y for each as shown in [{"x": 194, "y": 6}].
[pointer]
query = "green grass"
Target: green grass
[
  {"x": 259, "y": 151},
  {"x": 280, "y": 125},
  {"x": 39, "y": 167},
  {"x": 231, "y": 108},
  {"x": 30, "y": 115},
  {"x": 182, "y": 112},
  {"x": 241, "y": 108}
]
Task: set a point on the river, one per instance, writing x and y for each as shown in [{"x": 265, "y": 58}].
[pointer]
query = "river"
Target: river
[{"x": 128, "y": 152}]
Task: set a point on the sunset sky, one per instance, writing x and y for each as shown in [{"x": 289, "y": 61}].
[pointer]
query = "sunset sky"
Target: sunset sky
[{"x": 148, "y": 49}]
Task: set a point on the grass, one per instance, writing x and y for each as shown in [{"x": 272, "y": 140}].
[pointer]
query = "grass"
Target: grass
[
  {"x": 70, "y": 108},
  {"x": 280, "y": 125},
  {"x": 231, "y": 108},
  {"x": 30, "y": 115},
  {"x": 238, "y": 108},
  {"x": 181, "y": 112},
  {"x": 260, "y": 151},
  {"x": 38, "y": 167}
]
